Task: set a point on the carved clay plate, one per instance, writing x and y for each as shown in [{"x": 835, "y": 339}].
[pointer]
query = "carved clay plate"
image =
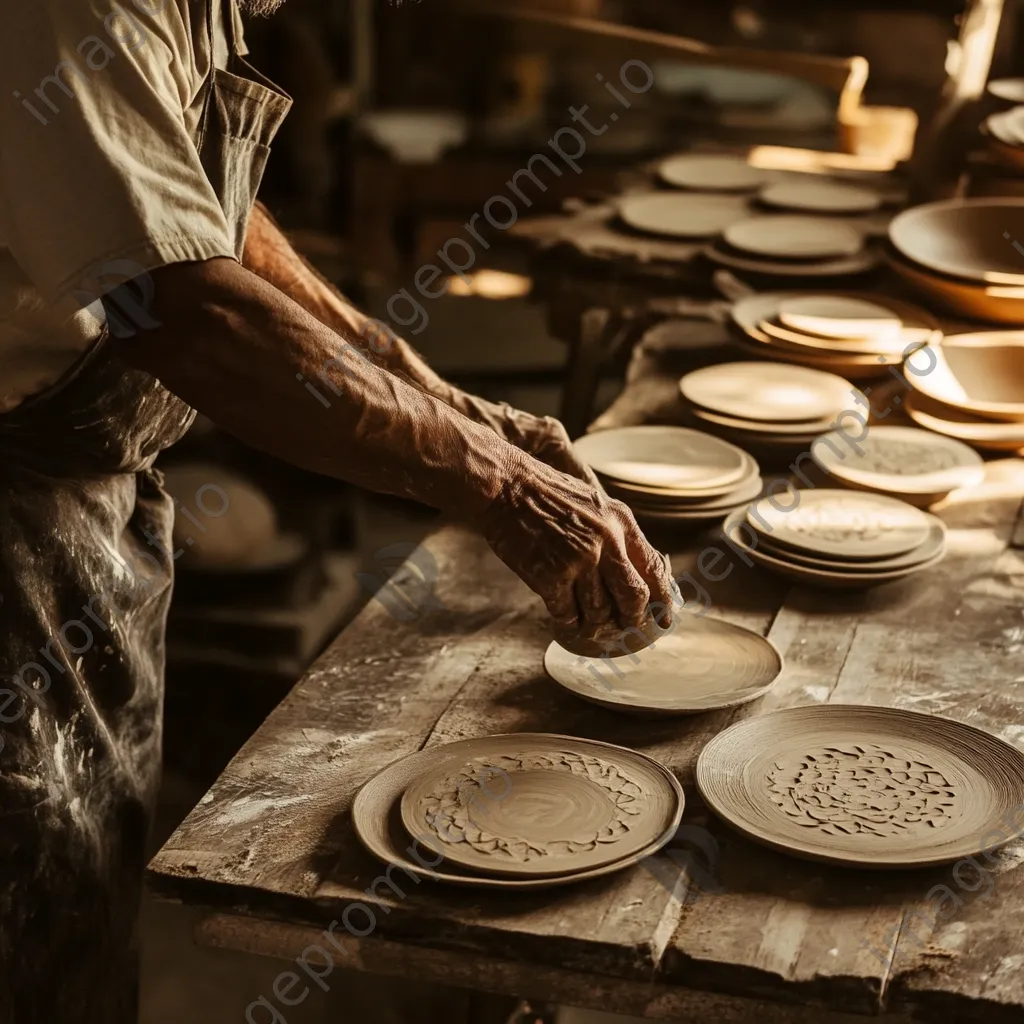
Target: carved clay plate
[
  {"x": 926, "y": 553},
  {"x": 849, "y": 578},
  {"x": 900, "y": 461},
  {"x": 794, "y": 238},
  {"x": 869, "y": 787},
  {"x": 844, "y": 525},
  {"x": 820, "y": 197},
  {"x": 701, "y": 664},
  {"x": 377, "y": 820},
  {"x": 682, "y": 215},
  {"x": 710, "y": 173},
  {"x": 541, "y": 805},
  {"x": 668, "y": 458},
  {"x": 766, "y": 393}
]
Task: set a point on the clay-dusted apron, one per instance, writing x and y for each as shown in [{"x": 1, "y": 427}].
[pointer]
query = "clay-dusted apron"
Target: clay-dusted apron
[{"x": 85, "y": 583}]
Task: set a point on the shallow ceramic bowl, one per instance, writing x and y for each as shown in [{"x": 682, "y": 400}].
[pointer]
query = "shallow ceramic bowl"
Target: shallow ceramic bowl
[
  {"x": 1001, "y": 304},
  {"x": 970, "y": 239},
  {"x": 981, "y": 374}
]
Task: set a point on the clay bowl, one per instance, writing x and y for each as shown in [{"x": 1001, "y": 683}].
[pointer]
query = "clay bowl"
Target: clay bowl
[
  {"x": 1001, "y": 304},
  {"x": 981, "y": 374},
  {"x": 969, "y": 240},
  {"x": 986, "y": 435}
]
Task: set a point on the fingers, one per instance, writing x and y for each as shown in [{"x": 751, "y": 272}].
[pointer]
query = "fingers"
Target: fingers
[
  {"x": 595, "y": 603},
  {"x": 560, "y": 598},
  {"x": 624, "y": 583}
]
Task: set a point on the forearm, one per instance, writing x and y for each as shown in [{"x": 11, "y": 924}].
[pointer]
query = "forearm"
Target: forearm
[
  {"x": 236, "y": 348},
  {"x": 269, "y": 254}
]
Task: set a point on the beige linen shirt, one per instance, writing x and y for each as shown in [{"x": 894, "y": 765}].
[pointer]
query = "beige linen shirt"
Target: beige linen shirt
[{"x": 98, "y": 170}]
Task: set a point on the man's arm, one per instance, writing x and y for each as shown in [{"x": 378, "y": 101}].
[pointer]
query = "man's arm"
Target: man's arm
[
  {"x": 269, "y": 254},
  {"x": 239, "y": 350}
]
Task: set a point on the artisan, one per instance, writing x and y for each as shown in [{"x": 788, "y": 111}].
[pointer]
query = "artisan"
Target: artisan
[{"x": 142, "y": 194}]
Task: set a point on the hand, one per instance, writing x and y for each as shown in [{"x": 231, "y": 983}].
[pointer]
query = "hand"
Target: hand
[
  {"x": 579, "y": 550},
  {"x": 546, "y": 439}
]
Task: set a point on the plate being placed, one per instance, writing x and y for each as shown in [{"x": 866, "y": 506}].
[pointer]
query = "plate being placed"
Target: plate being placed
[
  {"x": 901, "y": 461},
  {"x": 868, "y": 787},
  {"x": 529, "y": 805},
  {"x": 377, "y": 820},
  {"x": 780, "y": 236},
  {"x": 820, "y": 197},
  {"x": 845, "y": 525},
  {"x": 682, "y": 214},
  {"x": 662, "y": 497},
  {"x": 700, "y": 665},
  {"x": 767, "y": 393},
  {"x": 711, "y": 173},
  {"x": 663, "y": 457}
]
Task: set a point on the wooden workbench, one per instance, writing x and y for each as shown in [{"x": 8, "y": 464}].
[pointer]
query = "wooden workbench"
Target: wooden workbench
[{"x": 271, "y": 852}]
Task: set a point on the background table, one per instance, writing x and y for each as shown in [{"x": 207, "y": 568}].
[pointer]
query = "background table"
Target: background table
[{"x": 745, "y": 935}]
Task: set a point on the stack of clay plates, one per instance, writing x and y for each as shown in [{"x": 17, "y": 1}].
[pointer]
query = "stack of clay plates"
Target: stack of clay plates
[
  {"x": 672, "y": 475},
  {"x": 840, "y": 539},
  {"x": 795, "y": 246},
  {"x": 769, "y": 407},
  {"x": 698, "y": 664},
  {"x": 967, "y": 255},
  {"x": 916, "y": 466},
  {"x": 853, "y": 334},
  {"x": 970, "y": 387},
  {"x": 682, "y": 215},
  {"x": 1004, "y": 133},
  {"x": 518, "y": 811}
]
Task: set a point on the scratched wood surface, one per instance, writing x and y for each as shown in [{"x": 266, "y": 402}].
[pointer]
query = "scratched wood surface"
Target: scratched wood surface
[{"x": 273, "y": 838}]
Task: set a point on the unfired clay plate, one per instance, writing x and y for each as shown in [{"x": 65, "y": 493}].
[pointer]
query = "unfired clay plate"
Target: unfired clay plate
[
  {"x": 519, "y": 805},
  {"x": 842, "y": 317},
  {"x": 901, "y": 460},
  {"x": 844, "y": 525},
  {"x": 711, "y": 173},
  {"x": 682, "y": 215},
  {"x": 795, "y": 238},
  {"x": 869, "y": 787},
  {"x": 669, "y": 458},
  {"x": 820, "y": 197},
  {"x": 805, "y": 574},
  {"x": 377, "y": 820},
  {"x": 766, "y": 393},
  {"x": 798, "y": 270},
  {"x": 700, "y": 665}
]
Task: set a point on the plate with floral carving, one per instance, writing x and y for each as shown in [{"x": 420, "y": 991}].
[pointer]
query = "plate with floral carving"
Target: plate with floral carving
[
  {"x": 531, "y": 805},
  {"x": 846, "y": 525},
  {"x": 868, "y": 787},
  {"x": 377, "y": 820}
]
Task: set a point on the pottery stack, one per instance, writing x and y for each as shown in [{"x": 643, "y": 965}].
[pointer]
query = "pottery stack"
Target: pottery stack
[
  {"x": 838, "y": 539},
  {"x": 770, "y": 409},
  {"x": 965, "y": 255},
  {"x": 853, "y": 334},
  {"x": 970, "y": 388},
  {"x": 671, "y": 476}
]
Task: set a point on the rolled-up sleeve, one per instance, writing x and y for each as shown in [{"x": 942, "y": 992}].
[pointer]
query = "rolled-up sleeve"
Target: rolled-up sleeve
[{"x": 97, "y": 165}]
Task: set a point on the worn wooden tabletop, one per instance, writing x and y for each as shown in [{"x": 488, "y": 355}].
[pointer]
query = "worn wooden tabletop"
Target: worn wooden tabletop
[{"x": 762, "y": 937}]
